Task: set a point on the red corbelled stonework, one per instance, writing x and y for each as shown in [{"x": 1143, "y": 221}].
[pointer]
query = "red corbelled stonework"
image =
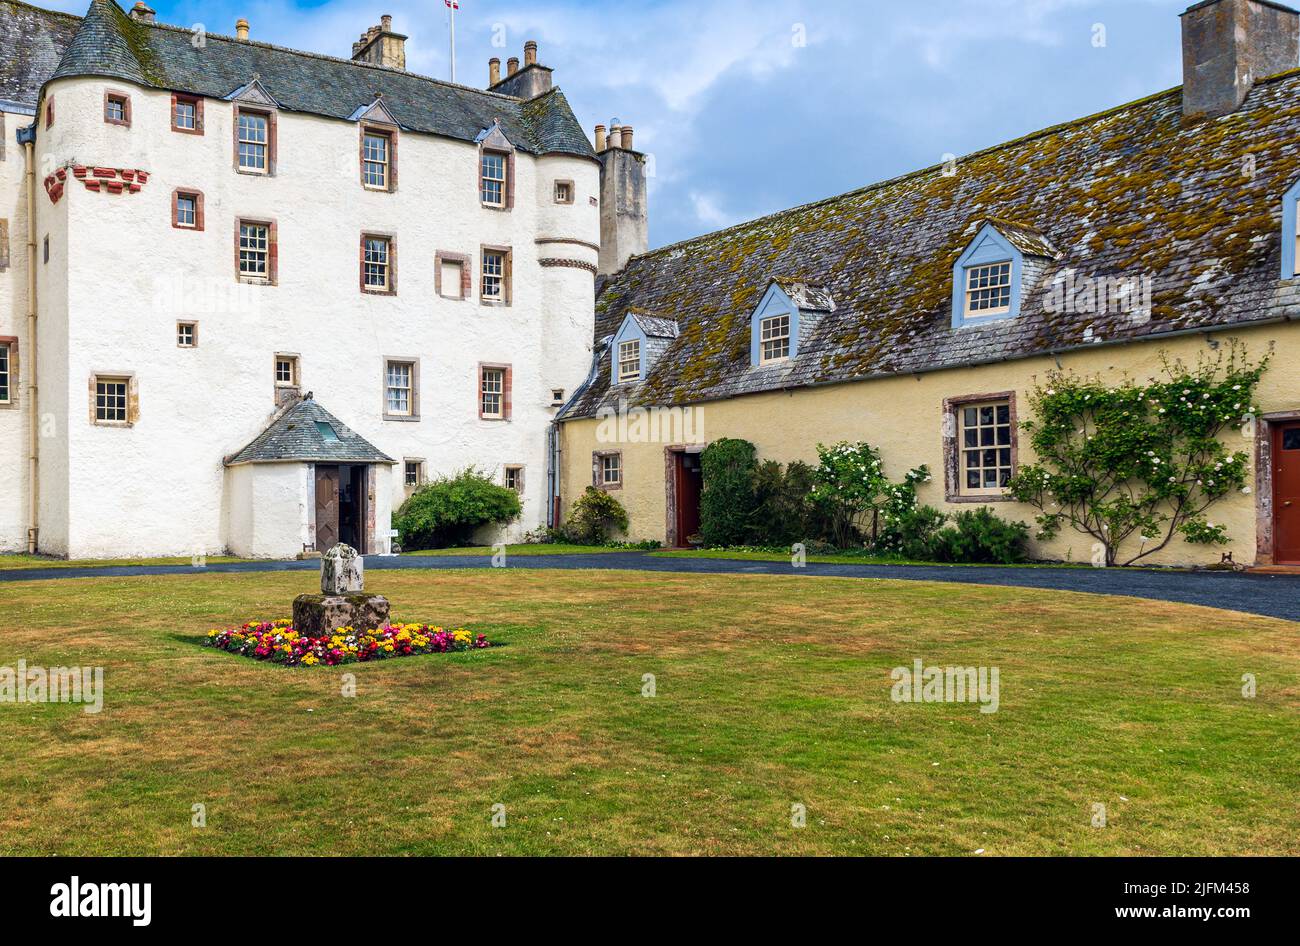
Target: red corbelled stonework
[
  {"x": 78, "y": 171},
  {"x": 128, "y": 174},
  {"x": 92, "y": 185},
  {"x": 126, "y": 180},
  {"x": 142, "y": 176},
  {"x": 114, "y": 187},
  {"x": 61, "y": 174},
  {"x": 105, "y": 172}
]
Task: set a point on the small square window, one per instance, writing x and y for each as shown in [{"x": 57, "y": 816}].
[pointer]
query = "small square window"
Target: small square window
[
  {"x": 187, "y": 334},
  {"x": 514, "y": 477},
  {"x": 413, "y": 473},
  {"x": 609, "y": 470},
  {"x": 564, "y": 192},
  {"x": 112, "y": 400},
  {"x": 557, "y": 397},
  {"x": 286, "y": 371},
  {"x": 988, "y": 289},
  {"x": 188, "y": 213},
  {"x": 186, "y": 115},
  {"x": 117, "y": 109}
]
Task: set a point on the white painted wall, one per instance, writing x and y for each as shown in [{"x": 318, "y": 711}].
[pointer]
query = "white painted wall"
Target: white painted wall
[{"x": 159, "y": 487}]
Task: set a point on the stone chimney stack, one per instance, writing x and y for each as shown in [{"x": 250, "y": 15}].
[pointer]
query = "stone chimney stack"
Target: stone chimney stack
[
  {"x": 143, "y": 13},
  {"x": 532, "y": 80},
  {"x": 1228, "y": 46},
  {"x": 380, "y": 46},
  {"x": 241, "y": 30},
  {"x": 624, "y": 210}
]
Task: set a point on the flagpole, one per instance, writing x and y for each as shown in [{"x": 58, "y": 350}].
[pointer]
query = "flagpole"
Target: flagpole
[{"x": 451, "y": 7}]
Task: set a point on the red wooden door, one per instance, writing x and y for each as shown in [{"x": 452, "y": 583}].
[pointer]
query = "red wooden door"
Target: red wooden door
[
  {"x": 1286, "y": 494},
  {"x": 327, "y": 508},
  {"x": 689, "y": 483}
]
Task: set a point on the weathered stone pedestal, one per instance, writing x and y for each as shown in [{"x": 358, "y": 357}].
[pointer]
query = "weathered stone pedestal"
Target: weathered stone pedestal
[
  {"x": 322, "y": 615},
  {"x": 341, "y": 602}
]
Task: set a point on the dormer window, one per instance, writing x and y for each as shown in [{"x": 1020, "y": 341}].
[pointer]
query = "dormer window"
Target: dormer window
[
  {"x": 784, "y": 319},
  {"x": 1291, "y": 233},
  {"x": 629, "y": 361},
  {"x": 775, "y": 338},
  {"x": 993, "y": 274}
]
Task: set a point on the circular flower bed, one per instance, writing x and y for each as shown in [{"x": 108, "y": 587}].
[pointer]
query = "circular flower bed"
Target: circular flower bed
[{"x": 277, "y": 642}]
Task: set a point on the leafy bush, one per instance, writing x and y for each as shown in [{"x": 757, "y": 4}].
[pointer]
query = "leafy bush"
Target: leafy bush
[
  {"x": 913, "y": 533},
  {"x": 784, "y": 510},
  {"x": 980, "y": 537},
  {"x": 1139, "y": 461},
  {"x": 727, "y": 501},
  {"x": 851, "y": 487},
  {"x": 446, "y": 512},
  {"x": 595, "y": 516}
]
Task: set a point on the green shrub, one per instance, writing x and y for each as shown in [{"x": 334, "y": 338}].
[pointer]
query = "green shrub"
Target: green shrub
[
  {"x": 784, "y": 511},
  {"x": 595, "y": 516},
  {"x": 980, "y": 537},
  {"x": 727, "y": 501},
  {"x": 445, "y": 512},
  {"x": 913, "y": 533}
]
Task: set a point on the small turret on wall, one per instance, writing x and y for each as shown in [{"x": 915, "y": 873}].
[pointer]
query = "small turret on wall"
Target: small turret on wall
[{"x": 624, "y": 210}]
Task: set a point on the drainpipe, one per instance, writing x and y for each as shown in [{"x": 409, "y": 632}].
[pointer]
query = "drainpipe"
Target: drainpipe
[{"x": 27, "y": 137}]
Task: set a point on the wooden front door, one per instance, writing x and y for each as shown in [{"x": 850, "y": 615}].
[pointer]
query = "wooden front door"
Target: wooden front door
[
  {"x": 1286, "y": 494},
  {"x": 327, "y": 508}
]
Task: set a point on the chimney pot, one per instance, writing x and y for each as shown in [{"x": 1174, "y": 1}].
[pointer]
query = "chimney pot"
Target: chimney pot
[
  {"x": 615, "y": 135},
  {"x": 512, "y": 66},
  {"x": 142, "y": 12},
  {"x": 530, "y": 53},
  {"x": 494, "y": 71},
  {"x": 241, "y": 30},
  {"x": 627, "y": 137},
  {"x": 1230, "y": 44},
  {"x": 386, "y": 21},
  {"x": 600, "y": 138}
]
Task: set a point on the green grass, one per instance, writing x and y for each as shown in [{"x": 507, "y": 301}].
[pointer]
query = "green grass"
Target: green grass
[
  {"x": 558, "y": 548},
  {"x": 14, "y": 562},
  {"x": 771, "y": 691},
  {"x": 834, "y": 558}
]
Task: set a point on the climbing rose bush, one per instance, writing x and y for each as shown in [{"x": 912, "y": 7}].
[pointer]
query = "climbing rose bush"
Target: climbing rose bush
[
  {"x": 1138, "y": 465},
  {"x": 277, "y": 642},
  {"x": 850, "y": 485}
]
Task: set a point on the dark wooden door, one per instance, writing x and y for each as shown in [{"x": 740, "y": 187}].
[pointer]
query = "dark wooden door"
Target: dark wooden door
[
  {"x": 1286, "y": 494},
  {"x": 689, "y": 483},
  {"x": 327, "y": 508}
]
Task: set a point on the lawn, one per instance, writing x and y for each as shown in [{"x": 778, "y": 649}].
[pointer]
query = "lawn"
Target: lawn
[
  {"x": 833, "y": 558},
  {"x": 13, "y": 562},
  {"x": 772, "y": 691},
  {"x": 558, "y": 548}
]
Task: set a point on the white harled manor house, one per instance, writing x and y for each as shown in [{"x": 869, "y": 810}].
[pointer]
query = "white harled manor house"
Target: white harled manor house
[{"x": 250, "y": 297}]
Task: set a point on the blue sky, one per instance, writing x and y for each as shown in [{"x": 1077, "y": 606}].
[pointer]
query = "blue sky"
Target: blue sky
[{"x": 750, "y": 106}]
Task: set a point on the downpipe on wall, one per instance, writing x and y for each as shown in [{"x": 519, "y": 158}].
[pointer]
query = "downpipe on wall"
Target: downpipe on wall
[{"x": 27, "y": 137}]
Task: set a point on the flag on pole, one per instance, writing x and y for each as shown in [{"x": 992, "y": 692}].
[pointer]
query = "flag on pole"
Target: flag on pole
[
  {"x": 453, "y": 6},
  {"x": 452, "y": 3}
]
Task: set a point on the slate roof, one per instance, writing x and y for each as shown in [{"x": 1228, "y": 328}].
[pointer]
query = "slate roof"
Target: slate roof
[
  {"x": 110, "y": 43},
  {"x": 655, "y": 326},
  {"x": 32, "y": 41},
  {"x": 293, "y": 436},
  {"x": 1130, "y": 192}
]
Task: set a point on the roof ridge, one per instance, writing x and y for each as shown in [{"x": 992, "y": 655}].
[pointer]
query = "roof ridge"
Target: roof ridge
[
  {"x": 32, "y": 6},
  {"x": 387, "y": 70},
  {"x": 920, "y": 172}
]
